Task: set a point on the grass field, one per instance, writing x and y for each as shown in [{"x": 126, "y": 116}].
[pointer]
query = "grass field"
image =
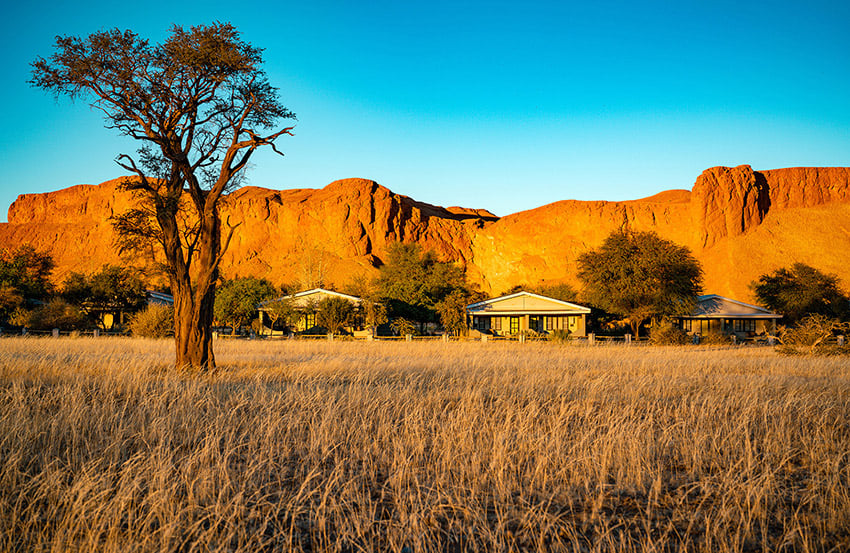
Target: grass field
[{"x": 420, "y": 447}]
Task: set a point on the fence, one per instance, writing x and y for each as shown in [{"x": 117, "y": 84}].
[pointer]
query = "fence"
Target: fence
[
  {"x": 589, "y": 340},
  {"x": 56, "y": 333}
]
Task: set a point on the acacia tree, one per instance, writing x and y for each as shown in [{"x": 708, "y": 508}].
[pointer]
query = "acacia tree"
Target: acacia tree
[
  {"x": 334, "y": 314},
  {"x": 201, "y": 105},
  {"x": 802, "y": 290},
  {"x": 413, "y": 282},
  {"x": 236, "y": 300},
  {"x": 281, "y": 309},
  {"x": 640, "y": 276}
]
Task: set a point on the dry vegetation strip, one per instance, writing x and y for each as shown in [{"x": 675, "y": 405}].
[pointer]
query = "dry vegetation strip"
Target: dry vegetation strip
[{"x": 421, "y": 447}]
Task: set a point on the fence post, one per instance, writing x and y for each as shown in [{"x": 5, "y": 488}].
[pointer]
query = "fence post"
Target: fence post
[
  {"x": 446, "y": 337},
  {"x": 628, "y": 339},
  {"x": 591, "y": 339},
  {"x": 55, "y": 332},
  {"x": 522, "y": 338},
  {"x": 485, "y": 338},
  {"x": 370, "y": 337},
  {"x": 96, "y": 333},
  {"x": 408, "y": 337},
  {"x": 771, "y": 340}
]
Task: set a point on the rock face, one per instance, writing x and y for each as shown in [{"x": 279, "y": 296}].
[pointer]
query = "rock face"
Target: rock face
[{"x": 739, "y": 222}]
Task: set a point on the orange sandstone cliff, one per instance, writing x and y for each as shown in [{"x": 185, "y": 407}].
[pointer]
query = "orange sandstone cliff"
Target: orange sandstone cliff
[{"x": 739, "y": 223}]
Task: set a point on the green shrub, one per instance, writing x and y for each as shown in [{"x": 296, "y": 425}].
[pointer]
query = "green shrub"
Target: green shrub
[
  {"x": 560, "y": 335},
  {"x": 666, "y": 334},
  {"x": 714, "y": 338},
  {"x": 402, "y": 326},
  {"x": 814, "y": 335},
  {"x": 57, "y": 313},
  {"x": 154, "y": 321}
]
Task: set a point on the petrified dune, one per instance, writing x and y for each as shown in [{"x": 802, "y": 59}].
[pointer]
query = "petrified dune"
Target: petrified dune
[{"x": 740, "y": 223}]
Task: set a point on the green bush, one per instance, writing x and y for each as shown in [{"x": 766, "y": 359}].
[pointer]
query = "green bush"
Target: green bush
[
  {"x": 560, "y": 335},
  {"x": 714, "y": 338},
  {"x": 57, "y": 313},
  {"x": 402, "y": 326},
  {"x": 666, "y": 334},
  {"x": 154, "y": 321},
  {"x": 814, "y": 335}
]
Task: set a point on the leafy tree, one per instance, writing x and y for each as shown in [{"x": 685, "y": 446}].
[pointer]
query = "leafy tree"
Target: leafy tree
[
  {"x": 236, "y": 300},
  {"x": 412, "y": 283},
  {"x": 334, "y": 313},
  {"x": 200, "y": 105},
  {"x": 57, "y": 313},
  {"x": 117, "y": 287},
  {"x": 76, "y": 289},
  {"x": 640, "y": 276},
  {"x": 373, "y": 308},
  {"x": 402, "y": 326},
  {"x": 27, "y": 271},
  {"x": 282, "y": 309},
  {"x": 374, "y": 313},
  {"x": 453, "y": 312},
  {"x": 10, "y": 300},
  {"x": 802, "y": 290},
  {"x": 560, "y": 291}
]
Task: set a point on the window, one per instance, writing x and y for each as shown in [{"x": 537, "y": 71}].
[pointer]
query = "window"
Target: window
[
  {"x": 534, "y": 323},
  {"x": 548, "y": 322},
  {"x": 686, "y": 325},
  {"x": 480, "y": 323},
  {"x": 745, "y": 325},
  {"x": 309, "y": 320},
  {"x": 514, "y": 325}
]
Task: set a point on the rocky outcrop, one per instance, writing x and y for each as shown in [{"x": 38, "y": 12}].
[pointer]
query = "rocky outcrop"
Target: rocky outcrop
[{"x": 739, "y": 222}]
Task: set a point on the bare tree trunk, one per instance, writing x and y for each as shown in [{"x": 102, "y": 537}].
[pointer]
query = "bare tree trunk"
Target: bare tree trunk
[
  {"x": 194, "y": 302},
  {"x": 193, "y": 328}
]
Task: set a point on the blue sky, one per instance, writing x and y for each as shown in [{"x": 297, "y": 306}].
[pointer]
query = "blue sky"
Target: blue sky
[{"x": 500, "y": 105}]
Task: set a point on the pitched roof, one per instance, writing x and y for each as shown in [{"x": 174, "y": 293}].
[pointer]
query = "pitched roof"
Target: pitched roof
[
  {"x": 715, "y": 306},
  {"x": 306, "y": 293},
  {"x": 559, "y": 305}
]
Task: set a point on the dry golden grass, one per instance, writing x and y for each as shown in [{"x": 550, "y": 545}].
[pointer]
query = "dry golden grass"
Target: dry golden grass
[{"x": 421, "y": 447}]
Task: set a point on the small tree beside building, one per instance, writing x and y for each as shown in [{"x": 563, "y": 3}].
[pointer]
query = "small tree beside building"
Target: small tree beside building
[
  {"x": 236, "y": 300},
  {"x": 334, "y": 314},
  {"x": 802, "y": 290},
  {"x": 640, "y": 276}
]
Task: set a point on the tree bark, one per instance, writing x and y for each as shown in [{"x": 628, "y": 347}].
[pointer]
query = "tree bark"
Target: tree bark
[
  {"x": 635, "y": 324},
  {"x": 193, "y": 328},
  {"x": 193, "y": 303}
]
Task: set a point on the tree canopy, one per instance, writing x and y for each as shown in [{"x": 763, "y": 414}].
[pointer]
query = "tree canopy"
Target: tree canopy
[
  {"x": 236, "y": 300},
  {"x": 24, "y": 275},
  {"x": 413, "y": 282},
  {"x": 640, "y": 276},
  {"x": 27, "y": 271},
  {"x": 113, "y": 287},
  {"x": 200, "y": 105},
  {"x": 802, "y": 290},
  {"x": 334, "y": 314}
]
